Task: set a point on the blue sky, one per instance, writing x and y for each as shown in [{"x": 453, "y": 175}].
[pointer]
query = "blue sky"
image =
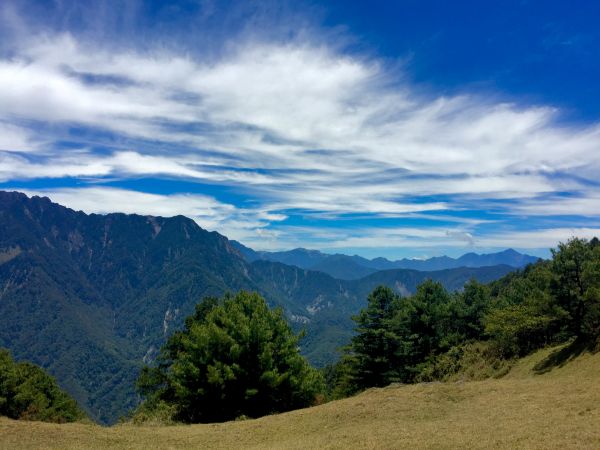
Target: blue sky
[{"x": 397, "y": 129}]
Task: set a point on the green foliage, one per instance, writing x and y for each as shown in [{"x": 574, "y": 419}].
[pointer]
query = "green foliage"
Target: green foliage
[
  {"x": 337, "y": 380},
  {"x": 374, "y": 341},
  {"x": 469, "y": 309},
  {"x": 27, "y": 392},
  {"x": 418, "y": 323},
  {"x": 395, "y": 336},
  {"x": 576, "y": 285},
  {"x": 525, "y": 316},
  {"x": 519, "y": 329},
  {"x": 435, "y": 335},
  {"x": 476, "y": 360},
  {"x": 235, "y": 357}
]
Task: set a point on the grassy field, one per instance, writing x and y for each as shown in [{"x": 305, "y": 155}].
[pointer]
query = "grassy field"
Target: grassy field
[{"x": 547, "y": 401}]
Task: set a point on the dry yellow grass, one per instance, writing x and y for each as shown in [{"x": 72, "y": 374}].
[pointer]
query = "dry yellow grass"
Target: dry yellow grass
[{"x": 557, "y": 410}]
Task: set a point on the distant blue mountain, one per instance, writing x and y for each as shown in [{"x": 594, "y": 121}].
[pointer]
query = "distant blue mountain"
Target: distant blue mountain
[{"x": 346, "y": 267}]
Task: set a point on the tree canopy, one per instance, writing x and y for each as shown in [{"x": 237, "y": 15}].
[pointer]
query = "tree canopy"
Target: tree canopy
[
  {"x": 576, "y": 284},
  {"x": 235, "y": 357},
  {"x": 373, "y": 344},
  {"x": 424, "y": 336},
  {"x": 28, "y": 392}
]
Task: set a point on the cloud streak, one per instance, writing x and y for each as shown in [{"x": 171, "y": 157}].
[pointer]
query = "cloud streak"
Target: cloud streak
[{"x": 295, "y": 126}]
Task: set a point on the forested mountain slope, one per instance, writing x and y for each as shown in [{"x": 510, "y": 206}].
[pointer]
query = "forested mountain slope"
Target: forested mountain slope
[
  {"x": 92, "y": 297},
  {"x": 89, "y": 296}
]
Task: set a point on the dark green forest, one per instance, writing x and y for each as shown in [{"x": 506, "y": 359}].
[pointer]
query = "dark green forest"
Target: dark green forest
[{"x": 104, "y": 292}]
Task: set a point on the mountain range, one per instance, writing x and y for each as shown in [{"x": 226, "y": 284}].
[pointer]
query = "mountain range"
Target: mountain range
[
  {"x": 345, "y": 267},
  {"x": 91, "y": 297}
]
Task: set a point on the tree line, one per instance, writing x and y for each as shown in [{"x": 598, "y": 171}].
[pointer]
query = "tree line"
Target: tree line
[{"x": 430, "y": 335}]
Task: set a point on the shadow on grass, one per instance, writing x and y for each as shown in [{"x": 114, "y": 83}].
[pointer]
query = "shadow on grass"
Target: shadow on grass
[{"x": 562, "y": 356}]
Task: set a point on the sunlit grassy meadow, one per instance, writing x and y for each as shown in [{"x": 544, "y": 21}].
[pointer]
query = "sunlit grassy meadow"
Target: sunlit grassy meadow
[{"x": 548, "y": 400}]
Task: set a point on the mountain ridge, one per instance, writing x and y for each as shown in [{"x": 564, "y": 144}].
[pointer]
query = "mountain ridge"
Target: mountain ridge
[{"x": 354, "y": 267}]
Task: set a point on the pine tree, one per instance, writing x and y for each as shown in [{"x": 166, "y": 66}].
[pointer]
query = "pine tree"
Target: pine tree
[
  {"x": 372, "y": 349},
  {"x": 576, "y": 286},
  {"x": 235, "y": 357}
]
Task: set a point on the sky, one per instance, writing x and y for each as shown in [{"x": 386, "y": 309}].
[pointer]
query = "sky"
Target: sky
[{"x": 379, "y": 128}]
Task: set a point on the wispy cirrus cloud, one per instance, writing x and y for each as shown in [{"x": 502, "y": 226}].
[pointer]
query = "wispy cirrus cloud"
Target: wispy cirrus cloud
[
  {"x": 294, "y": 125},
  {"x": 14, "y": 138}
]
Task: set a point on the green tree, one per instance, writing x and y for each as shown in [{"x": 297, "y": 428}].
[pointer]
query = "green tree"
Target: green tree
[
  {"x": 576, "y": 284},
  {"x": 525, "y": 315},
  {"x": 235, "y": 357},
  {"x": 590, "y": 326},
  {"x": 370, "y": 357},
  {"x": 396, "y": 336},
  {"x": 29, "y": 393},
  {"x": 423, "y": 328},
  {"x": 469, "y": 308}
]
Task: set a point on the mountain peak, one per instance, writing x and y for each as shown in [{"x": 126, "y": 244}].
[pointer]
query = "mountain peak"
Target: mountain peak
[
  {"x": 353, "y": 267},
  {"x": 306, "y": 251}
]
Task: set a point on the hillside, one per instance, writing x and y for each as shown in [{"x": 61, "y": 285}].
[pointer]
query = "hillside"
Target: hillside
[
  {"x": 92, "y": 297},
  {"x": 541, "y": 403}
]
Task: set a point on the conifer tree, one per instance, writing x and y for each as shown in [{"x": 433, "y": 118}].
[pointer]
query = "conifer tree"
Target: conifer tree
[
  {"x": 235, "y": 357},
  {"x": 372, "y": 348},
  {"x": 576, "y": 286}
]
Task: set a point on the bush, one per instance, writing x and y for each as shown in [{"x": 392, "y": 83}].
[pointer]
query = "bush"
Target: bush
[{"x": 471, "y": 361}]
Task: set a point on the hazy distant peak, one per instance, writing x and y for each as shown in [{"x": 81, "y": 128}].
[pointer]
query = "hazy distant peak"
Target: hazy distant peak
[{"x": 354, "y": 267}]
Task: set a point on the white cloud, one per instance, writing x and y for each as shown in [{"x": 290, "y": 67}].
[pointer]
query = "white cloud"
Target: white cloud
[
  {"x": 303, "y": 97},
  {"x": 433, "y": 239},
  {"x": 540, "y": 238},
  {"x": 16, "y": 139},
  {"x": 286, "y": 236},
  {"x": 14, "y": 166},
  {"x": 586, "y": 203},
  {"x": 296, "y": 126}
]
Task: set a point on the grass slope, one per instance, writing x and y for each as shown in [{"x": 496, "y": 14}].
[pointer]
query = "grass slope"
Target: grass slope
[{"x": 548, "y": 400}]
